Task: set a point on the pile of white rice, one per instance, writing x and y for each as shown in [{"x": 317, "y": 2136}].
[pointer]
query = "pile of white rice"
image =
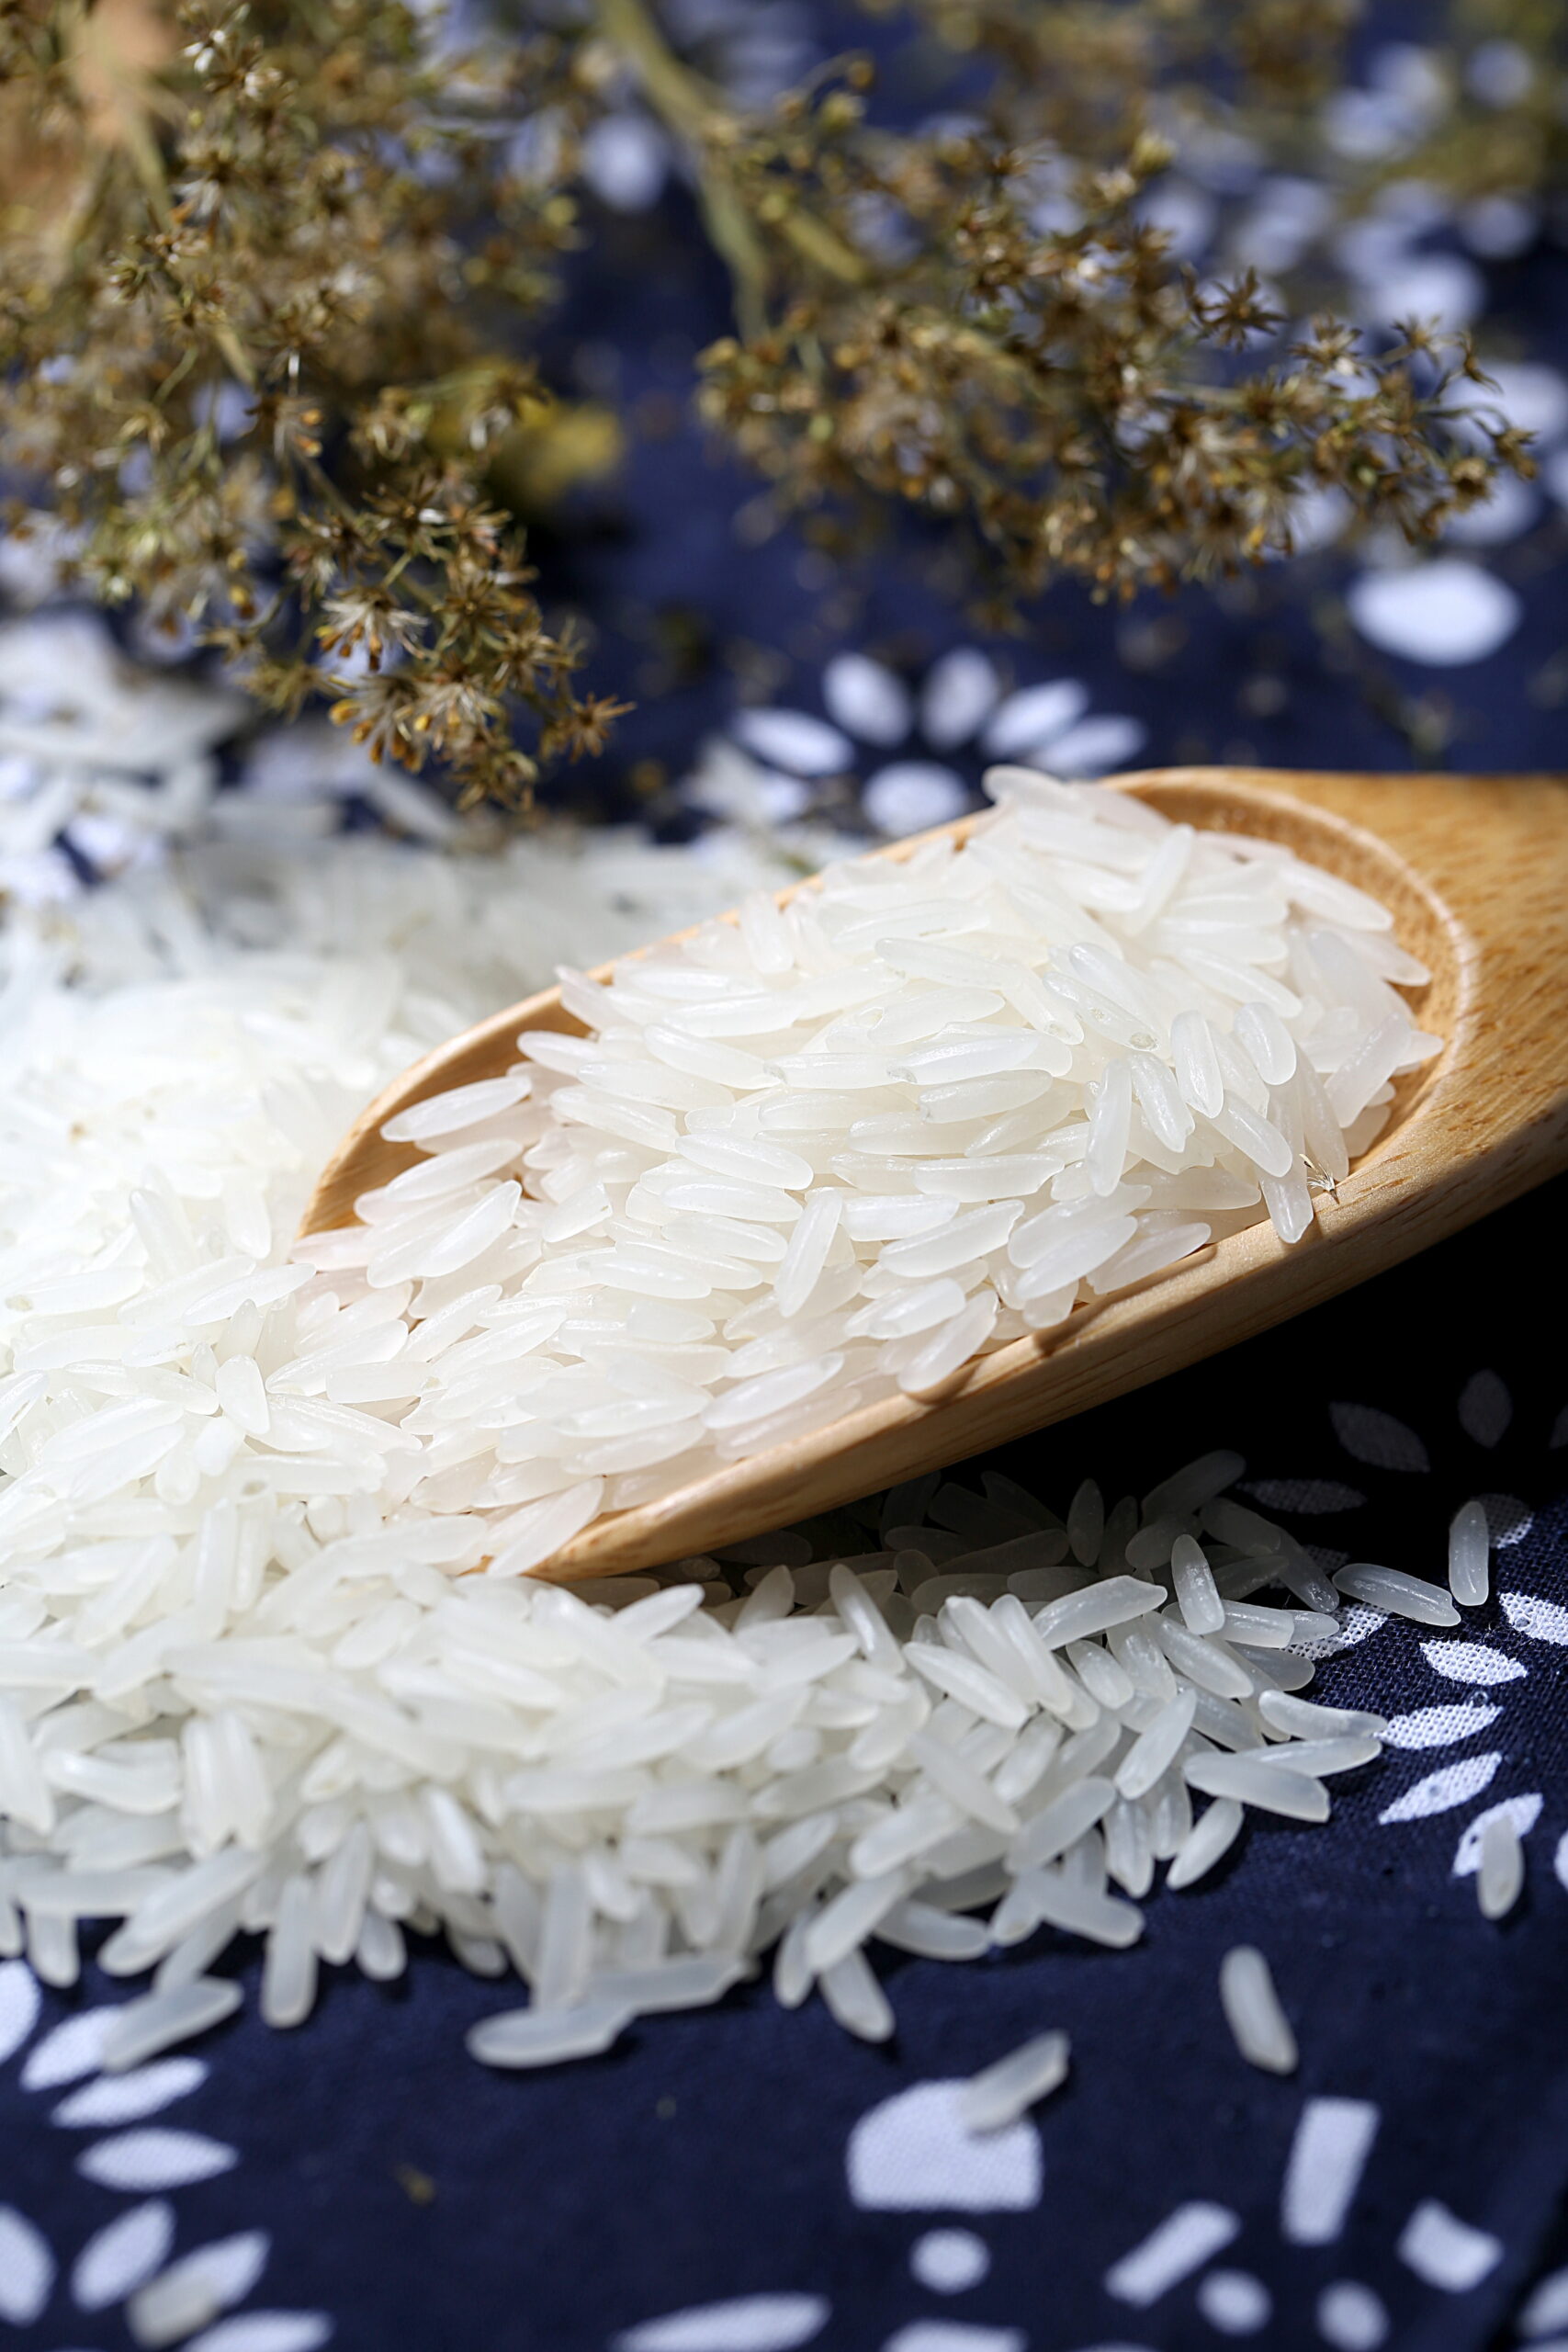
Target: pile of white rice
[
  {"x": 819, "y": 1155},
  {"x": 242, "y": 1686}
]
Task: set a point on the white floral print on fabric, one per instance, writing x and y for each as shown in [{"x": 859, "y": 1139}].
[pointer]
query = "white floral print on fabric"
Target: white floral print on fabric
[
  {"x": 748, "y": 2324},
  {"x": 1332, "y": 2145},
  {"x": 780, "y": 765},
  {"x": 914, "y": 2153},
  {"x": 1479, "y": 1664},
  {"x": 1440, "y": 613},
  {"x": 1378, "y": 1438},
  {"x": 1450, "y": 609},
  {"x": 910, "y": 2153},
  {"x": 130, "y": 2265}
]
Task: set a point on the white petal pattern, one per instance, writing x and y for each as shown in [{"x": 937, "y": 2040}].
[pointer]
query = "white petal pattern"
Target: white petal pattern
[
  {"x": 156, "y": 2159},
  {"x": 1318, "y": 518},
  {"x": 265, "y": 2332},
  {"x": 1443, "y": 287},
  {"x": 1186, "y": 214},
  {"x": 959, "y": 2335},
  {"x": 1505, "y": 513},
  {"x": 19, "y": 2003},
  {"x": 115, "y": 2262},
  {"x": 71, "y": 2051},
  {"x": 749, "y": 2323},
  {"x": 213, "y": 2277},
  {"x": 1033, "y": 718},
  {"x": 126, "y": 2098},
  {"x": 1539, "y": 1621},
  {"x": 1485, "y": 1408},
  {"x": 625, "y": 160},
  {"x": 866, "y": 699},
  {"x": 907, "y": 796},
  {"x": 959, "y": 692},
  {"x": 1441, "y": 1726},
  {"x": 794, "y": 741},
  {"x": 1472, "y": 1662},
  {"x": 1508, "y": 1519},
  {"x": 1378, "y": 1438},
  {"x": 27, "y": 2268},
  {"x": 1440, "y": 1791},
  {"x": 1531, "y": 396},
  {"x": 1441, "y": 613},
  {"x": 1094, "y": 747},
  {"x": 1306, "y": 1495},
  {"x": 1356, "y": 1625},
  {"x": 1523, "y": 1812}
]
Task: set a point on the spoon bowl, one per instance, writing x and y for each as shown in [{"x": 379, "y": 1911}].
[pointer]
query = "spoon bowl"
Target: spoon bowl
[{"x": 1475, "y": 872}]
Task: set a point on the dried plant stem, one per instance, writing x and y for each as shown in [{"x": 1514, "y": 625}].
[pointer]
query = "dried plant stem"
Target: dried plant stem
[{"x": 695, "y": 113}]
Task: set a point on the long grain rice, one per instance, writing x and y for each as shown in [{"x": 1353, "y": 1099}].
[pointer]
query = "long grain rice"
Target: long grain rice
[
  {"x": 1470, "y": 1556},
  {"x": 1500, "y": 1880},
  {"x": 246, "y": 1686},
  {"x": 1396, "y": 1593},
  {"x": 1000, "y": 2093},
  {"x": 1253, "y": 2013}
]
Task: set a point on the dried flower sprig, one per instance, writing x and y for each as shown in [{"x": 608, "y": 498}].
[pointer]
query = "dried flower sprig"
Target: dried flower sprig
[
  {"x": 980, "y": 325},
  {"x": 269, "y": 278},
  {"x": 251, "y": 368}
]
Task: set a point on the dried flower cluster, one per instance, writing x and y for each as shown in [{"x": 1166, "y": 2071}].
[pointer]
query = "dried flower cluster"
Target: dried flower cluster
[
  {"x": 982, "y": 323},
  {"x": 269, "y": 279},
  {"x": 247, "y": 327}
]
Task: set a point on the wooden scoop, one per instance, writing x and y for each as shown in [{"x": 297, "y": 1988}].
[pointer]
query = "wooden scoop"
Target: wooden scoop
[{"x": 1474, "y": 870}]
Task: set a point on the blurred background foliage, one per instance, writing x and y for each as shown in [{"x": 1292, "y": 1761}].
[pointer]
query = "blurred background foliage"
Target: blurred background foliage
[{"x": 310, "y": 313}]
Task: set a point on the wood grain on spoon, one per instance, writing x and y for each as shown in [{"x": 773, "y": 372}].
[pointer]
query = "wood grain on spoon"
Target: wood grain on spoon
[{"x": 1475, "y": 871}]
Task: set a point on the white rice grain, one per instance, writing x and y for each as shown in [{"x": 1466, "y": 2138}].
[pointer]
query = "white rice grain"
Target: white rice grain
[
  {"x": 1202, "y": 1610},
  {"x": 1261, "y": 2030},
  {"x": 1470, "y": 1556},
  {"x": 521, "y": 2038},
  {"x": 158, "y": 2020},
  {"x": 1500, "y": 1881},
  {"x": 1207, "y": 1843},
  {"x": 1396, "y": 1593},
  {"x": 438, "y": 1115},
  {"x": 1000, "y": 2093},
  {"x": 856, "y": 1999}
]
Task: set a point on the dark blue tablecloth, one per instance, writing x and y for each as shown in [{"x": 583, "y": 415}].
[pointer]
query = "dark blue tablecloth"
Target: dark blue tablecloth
[
  {"x": 754, "y": 2170},
  {"x": 757, "y": 2158}
]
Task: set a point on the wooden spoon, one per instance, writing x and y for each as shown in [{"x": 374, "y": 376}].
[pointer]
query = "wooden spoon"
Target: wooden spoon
[{"x": 1475, "y": 871}]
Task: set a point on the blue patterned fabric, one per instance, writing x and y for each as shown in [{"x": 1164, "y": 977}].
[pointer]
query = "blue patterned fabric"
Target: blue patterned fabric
[
  {"x": 756, "y": 2159},
  {"x": 748, "y": 2179}
]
